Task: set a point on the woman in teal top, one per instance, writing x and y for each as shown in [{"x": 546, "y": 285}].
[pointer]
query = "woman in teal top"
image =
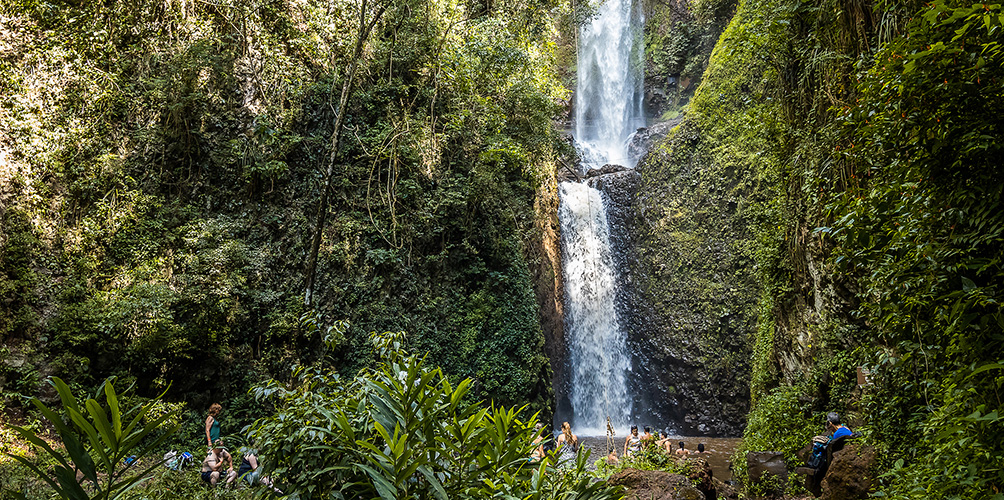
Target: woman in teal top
[{"x": 213, "y": 425}]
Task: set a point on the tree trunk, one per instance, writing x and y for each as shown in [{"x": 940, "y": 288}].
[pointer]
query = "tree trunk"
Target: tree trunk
[{"x": 322, "y": 207}]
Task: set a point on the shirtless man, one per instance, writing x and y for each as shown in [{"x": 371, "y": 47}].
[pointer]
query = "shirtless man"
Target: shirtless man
[
  {"x": 647, "y": 436},
  {"x": 612, "y": 457},
  {"x": 682, "y": 452},
  {"x": 214, "y": 462}
]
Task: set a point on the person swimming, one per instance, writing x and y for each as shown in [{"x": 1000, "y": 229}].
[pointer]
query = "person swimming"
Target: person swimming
[{"x": 683, "y": 451}]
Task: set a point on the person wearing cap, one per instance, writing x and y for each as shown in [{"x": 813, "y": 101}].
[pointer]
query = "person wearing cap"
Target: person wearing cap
[{"x": 214, "y": 463}]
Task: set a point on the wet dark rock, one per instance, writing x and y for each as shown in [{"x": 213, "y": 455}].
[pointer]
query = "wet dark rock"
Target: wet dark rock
[
  {"x": 702, "y": 477},
  {"x": 655, "y": 485},
  {"x": 646, "y": 138},
  {"x": 609, "y": 168},
  {"x": 851, "y": 474},
  {"x": 691, "y": 282},
  {"x": 723, "y": 491}
]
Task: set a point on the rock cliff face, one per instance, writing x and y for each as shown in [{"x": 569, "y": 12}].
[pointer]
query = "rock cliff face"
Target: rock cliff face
[
  {"x": 685, "y": 295},
  {"x": 545, "y": 258},
  {"x": 689, "y": 295}
]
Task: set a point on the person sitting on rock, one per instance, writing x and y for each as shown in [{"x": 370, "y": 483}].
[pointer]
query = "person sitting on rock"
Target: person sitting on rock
[
  {"x": 252, "y": 474},
  {"x": 612, "y": 457},
  {"x": 538, "y": 443},
  {"x": 834, "y": 427}
]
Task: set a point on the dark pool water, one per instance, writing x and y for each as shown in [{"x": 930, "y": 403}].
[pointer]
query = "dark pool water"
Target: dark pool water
[{"x": 721, "y": 450}]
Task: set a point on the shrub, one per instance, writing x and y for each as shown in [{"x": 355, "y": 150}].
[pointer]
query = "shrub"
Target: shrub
[{"x": 402, "y": 430}]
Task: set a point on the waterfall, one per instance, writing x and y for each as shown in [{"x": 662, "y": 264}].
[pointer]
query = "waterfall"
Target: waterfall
[
  {"x": 608, "y": 107},
  {"x": 596, "y": 344},
  {"x": 608, "y": 100}
]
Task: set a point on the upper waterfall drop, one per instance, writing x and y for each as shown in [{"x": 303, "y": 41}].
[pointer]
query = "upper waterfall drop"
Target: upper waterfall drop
[{"x": 608, "y": 100}]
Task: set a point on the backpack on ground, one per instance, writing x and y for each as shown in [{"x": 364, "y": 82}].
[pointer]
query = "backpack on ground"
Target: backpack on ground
[{"x": 174, "y": 461}]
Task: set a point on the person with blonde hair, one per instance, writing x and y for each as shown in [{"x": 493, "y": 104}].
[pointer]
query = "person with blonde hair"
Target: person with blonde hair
[
  {"x": 567, "y": 442},
  {"x": 213, "y": 425}
]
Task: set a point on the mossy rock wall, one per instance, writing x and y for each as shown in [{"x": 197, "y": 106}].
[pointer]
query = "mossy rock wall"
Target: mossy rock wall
[{"x": 691, "y": 284}]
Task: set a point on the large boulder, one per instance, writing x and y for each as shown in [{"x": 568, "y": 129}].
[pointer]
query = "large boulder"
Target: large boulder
[
  {"x": 609, "y": 168},
  {"x": 655, "y": 485},
  {"x": 646, "y": 138},
  {"x": 851, "y": 473},
  {"x": 701, "y": 476},
  {"x": 768, "y": 471},
  {"x": 723, "y": 491}
]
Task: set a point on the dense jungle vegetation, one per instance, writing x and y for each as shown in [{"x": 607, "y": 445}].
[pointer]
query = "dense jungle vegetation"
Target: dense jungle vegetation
[
  {"x": 861, "y": 141},
  {"x": 162, "y": 165}
]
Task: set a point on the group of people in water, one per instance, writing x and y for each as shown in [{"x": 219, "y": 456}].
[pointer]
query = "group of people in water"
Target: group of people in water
[
  {"x": 566, "y": 445},
  {"x": 634, "y": 443}
]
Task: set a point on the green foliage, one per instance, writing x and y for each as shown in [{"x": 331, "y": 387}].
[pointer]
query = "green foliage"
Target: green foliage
[
  {"x": 920, "y": 222},
  {"x": 651, "y": 457},
  {"x": 164, "y": 163},
  {"x": 876, "y": 123},
  {"x": 96, "y": 445},
  {"x": 402, "y": 430},
  {"x": 777, "y": 422}
]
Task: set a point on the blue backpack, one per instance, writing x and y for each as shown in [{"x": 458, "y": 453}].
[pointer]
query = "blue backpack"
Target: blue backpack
[{"x": 818, "y": 457}]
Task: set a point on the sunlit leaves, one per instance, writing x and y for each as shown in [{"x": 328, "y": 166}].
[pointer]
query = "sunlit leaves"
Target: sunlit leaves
[{"x": 403, "y": 430}]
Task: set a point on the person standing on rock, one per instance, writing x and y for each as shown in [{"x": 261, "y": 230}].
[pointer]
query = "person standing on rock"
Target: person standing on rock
[
  {"x": 213, "y": 425},
  {"x": 647, "y": 436}
]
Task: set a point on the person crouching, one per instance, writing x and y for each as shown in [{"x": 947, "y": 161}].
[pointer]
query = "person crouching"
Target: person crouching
[{"x": 214, "y": 463}]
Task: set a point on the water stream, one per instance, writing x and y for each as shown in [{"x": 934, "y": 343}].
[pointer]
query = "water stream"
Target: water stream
[
  {"x": 597, "y": 349},
  {"x": 608, "y": 107}
]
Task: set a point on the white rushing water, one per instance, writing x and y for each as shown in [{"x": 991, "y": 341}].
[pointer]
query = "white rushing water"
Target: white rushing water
[
  {"x": 608, "y": 100},
  {"x": 608, "y": 108},
  {"x": 596, "y": 343}
]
